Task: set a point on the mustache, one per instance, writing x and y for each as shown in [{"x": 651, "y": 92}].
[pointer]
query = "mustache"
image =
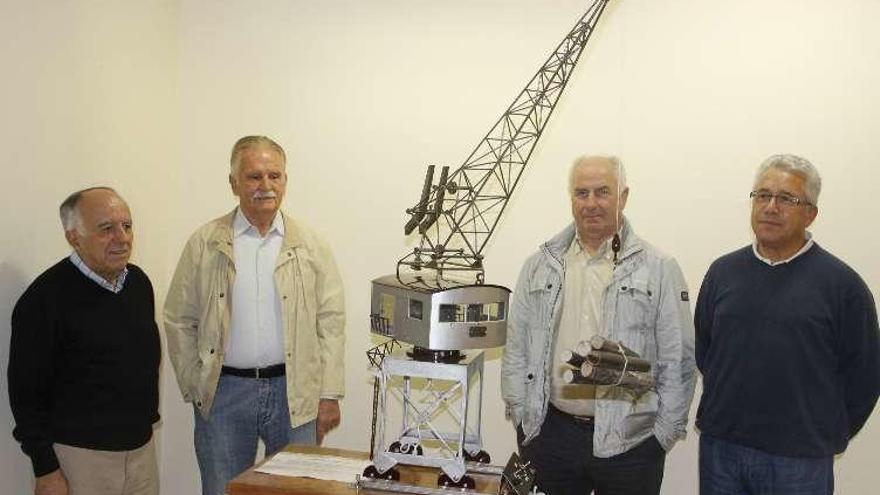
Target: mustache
[{"x": 264, "y": 195}]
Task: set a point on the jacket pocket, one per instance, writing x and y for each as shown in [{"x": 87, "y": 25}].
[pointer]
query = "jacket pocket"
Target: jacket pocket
[
  {"x": 542, "y": 291},
  {"x": 636, "y": 313},
  {"x": 638, "y": 425}
]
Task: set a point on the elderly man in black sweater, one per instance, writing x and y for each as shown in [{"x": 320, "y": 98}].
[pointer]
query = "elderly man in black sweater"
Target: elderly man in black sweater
[
  {"x": 84, "y": 360},
  {"x": 787, "y": 341}
]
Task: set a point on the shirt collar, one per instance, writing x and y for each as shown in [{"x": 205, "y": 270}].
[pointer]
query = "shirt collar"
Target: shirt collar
[
  {"x": 604, "y": 251},
  {"x": 806, "y": 247},
  {"x": 240, "y": 224},
  {"x": 113, "y": 287}
]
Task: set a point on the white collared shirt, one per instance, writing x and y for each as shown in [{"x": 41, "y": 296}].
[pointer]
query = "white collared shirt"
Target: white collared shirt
[
  {"x": 256, "y": 330},
  {"x": 113, "y": 287},
  {"x": 586, "y": 278},
  {"x": 806, "y": 247}
]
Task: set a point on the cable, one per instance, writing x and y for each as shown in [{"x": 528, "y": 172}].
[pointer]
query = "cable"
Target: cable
[{"x": 615, "y": 241}]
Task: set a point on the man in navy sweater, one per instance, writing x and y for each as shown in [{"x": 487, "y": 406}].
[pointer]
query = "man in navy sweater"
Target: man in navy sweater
[
  {"x": 84, "y": 360},
  {"x": 787, "y": 342}
]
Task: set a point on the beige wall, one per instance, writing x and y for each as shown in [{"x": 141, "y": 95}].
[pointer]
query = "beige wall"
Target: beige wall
[
  {"x": 88, "y": 97},
  {"x": 149, "y": 96}
]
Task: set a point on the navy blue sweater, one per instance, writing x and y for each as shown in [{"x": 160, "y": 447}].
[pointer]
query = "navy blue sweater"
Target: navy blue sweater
[
  {"x": 83, "y": 364},
  {"x": 790, "y": 354}
]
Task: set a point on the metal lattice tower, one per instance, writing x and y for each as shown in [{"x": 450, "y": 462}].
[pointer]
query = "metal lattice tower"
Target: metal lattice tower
[{"x": 456, "y": 218}]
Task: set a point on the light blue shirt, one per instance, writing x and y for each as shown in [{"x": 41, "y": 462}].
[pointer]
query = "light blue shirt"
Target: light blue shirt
[
  {"x": 256, "y": 331},
  {"x": 113, "y": 287}
]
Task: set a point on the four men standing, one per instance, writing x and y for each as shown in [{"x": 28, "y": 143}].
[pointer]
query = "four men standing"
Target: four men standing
[
  {"x": 255, "y": 322},
  {"x": 787, "y": 341}
]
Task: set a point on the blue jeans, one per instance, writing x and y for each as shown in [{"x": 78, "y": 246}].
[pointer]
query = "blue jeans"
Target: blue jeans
[
  {"x": 244, "y": 410},
  {"x": 731, "y": 469}
]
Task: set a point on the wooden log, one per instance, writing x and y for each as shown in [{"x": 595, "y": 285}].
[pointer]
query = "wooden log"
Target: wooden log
[
  {"x": 573, "y": 359},
  {"x": 612, "y": 377},
  {"x": 615, "y": 361},
  {"x": 600, "y": 343},
  {"x": 573, "y": 376},
  {"x": 638, "y": 383}
]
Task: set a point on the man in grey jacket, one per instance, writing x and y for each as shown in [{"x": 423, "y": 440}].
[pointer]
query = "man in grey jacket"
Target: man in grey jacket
[{"x": 597, "y": 277}]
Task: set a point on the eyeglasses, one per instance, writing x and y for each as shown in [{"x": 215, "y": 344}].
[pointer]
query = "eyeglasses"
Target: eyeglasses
[{"x": 782, "y": 199}]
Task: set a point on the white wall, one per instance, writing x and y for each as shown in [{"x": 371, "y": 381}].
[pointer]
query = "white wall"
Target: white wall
[
  {"x": 149, "y": 97},
  {"x": 88, "y": 97}
]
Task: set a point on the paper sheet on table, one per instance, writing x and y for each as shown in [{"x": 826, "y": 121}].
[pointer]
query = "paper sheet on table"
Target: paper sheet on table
[{"x": 322, "y": 467}]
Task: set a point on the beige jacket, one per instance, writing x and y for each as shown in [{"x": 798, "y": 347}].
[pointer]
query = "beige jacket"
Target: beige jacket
[{"x": 197, "y": 315}]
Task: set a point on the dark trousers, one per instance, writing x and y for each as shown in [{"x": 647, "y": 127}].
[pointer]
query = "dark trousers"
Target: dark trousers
[
  {"x": 731, "y": 469},
  {"x": 563, "y": 456}
]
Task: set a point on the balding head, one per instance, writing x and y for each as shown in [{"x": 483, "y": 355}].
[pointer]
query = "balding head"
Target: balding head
[
  {"x": 97, "y": 225},
  {"x": 71, "y": 219}
]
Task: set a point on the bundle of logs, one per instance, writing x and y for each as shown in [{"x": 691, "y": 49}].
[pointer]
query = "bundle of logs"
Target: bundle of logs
[{"x": 600, "y": 361}]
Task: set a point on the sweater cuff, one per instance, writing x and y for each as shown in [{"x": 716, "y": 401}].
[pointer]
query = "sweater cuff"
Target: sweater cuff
[{"x": 44, "y": 461}]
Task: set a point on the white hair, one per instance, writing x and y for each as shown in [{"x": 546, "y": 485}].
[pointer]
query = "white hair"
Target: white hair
[
  {"x": 796, "y": 165},
  {"x": 251, "y": 142},
  {"x": 616, "y": 166}
]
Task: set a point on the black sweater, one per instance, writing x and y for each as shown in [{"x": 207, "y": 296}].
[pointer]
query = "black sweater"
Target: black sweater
[
  {"x": 83, "y": 364},
  {"x": 790, "y": 354}
]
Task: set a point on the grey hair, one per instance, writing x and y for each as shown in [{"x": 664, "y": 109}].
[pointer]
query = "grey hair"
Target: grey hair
[
  {"x": 71, "y": 218},
  {"x": 616, "y": 165},
  {"x": 251, "y": 142},
  {"x": 796, "y": 165}
]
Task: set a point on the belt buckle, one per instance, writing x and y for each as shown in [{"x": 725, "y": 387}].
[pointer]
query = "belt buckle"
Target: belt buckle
[{"x": 256, "y": 372}]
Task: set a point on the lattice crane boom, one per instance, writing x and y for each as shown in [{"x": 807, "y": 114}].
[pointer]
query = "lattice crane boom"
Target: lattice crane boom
[
  {"x": 439, "y": 316},
  {"x": 456, "y": 218}
]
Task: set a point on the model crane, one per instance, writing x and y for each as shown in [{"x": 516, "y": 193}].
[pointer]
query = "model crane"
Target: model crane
[{"x": 438, "y": 300}]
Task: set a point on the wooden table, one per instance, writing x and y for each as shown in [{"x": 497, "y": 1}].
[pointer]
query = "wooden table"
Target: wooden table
[{"x": 253, "y": 483}]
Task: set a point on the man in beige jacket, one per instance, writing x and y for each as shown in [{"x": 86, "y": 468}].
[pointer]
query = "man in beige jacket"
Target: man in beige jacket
[{"x": 255, "y": 323}]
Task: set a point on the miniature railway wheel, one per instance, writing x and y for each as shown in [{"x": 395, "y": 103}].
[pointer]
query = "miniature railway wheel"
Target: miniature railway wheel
[
  {"x": 482, "y": 457},
  {"x": 391, "y": 475},
  {"x": 465, "y": 483}
]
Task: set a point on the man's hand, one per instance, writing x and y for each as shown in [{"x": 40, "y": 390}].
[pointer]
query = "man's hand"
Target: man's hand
[
  {"x": 53, "y": 483},
  {"x": 328, "y": 417}
]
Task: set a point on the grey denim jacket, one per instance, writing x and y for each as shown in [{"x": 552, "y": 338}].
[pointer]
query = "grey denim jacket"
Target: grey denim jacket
[{"x": 646, "y": 307}]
